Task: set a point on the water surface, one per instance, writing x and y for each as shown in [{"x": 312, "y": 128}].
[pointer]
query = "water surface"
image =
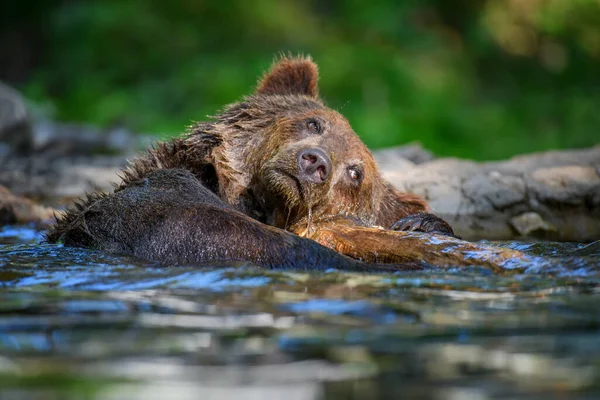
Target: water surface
[{"x": 78, "y": 323}]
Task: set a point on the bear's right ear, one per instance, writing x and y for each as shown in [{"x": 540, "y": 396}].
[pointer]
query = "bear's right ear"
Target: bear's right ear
[{"x": 295, "y": 76}]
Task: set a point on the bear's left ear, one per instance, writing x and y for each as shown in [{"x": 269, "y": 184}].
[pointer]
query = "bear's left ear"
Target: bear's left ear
[{"x": 295, "y": 76}]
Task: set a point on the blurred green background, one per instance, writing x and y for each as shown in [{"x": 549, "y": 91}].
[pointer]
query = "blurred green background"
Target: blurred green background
[{"x": 478, "y": 79}]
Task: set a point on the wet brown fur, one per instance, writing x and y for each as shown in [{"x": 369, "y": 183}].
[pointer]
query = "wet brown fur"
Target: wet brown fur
[{"x": 247, "y": 156}]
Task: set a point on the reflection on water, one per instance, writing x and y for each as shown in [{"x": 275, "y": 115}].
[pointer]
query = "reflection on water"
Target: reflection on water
[{"x": 78, "y": 323}]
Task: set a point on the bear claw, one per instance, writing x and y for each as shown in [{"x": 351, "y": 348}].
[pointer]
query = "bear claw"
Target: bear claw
[{"x": 423, "y": 222}]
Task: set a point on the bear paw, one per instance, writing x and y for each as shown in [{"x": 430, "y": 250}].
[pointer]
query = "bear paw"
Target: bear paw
[{"x": 423, "y": 222}]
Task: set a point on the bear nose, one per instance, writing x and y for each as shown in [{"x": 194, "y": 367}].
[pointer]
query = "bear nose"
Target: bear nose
[{"x": 314, "y": 165}]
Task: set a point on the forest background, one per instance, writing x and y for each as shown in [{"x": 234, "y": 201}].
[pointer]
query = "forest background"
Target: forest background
[{"x": 467, "y": 78}]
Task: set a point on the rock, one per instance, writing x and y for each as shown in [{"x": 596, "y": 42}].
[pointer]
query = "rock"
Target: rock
[
  {"x": 553, "y": 195},
  {"x": 531, "y": 222},
  {"x": 62, "y": 139},
  {"x": 413, "y": 152},
  {"x": 59, "y": 180},
  {"x": 57, "y": 162},
  {"x": 15, "y": 127},
  {"x": 572, "y": 185},
  {"x": 19, "y": 210},
  {"x": 548, "y": 159}
]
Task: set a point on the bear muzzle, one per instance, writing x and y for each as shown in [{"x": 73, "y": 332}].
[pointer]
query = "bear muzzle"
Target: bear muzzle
[{"x": 314, "y": 165}]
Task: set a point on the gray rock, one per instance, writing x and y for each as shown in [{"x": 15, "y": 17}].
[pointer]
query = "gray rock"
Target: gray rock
[
  {"x": 529, "y": 223},
  {"x": 572, "y": 185},
  {"x": 15, "y": 127},
  {"x": 56, "y": 162},
  {"x": 413, "y": 152},
  {"x": 62, "y": 139},
  {"x": 59, "y": 180},
  {"x": 19, "y": 210},
  {"x": 497, "y": 200}
]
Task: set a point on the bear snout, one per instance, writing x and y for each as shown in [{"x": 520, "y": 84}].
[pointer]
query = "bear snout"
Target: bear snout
[{"x": 314, "y": 165}]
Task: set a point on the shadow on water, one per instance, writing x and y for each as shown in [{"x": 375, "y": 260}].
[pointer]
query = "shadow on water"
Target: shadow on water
[{"x": 80, "y": 323}]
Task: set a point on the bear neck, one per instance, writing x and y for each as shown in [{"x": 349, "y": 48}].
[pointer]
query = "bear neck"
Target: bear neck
[{"x": 235, "y": 163}]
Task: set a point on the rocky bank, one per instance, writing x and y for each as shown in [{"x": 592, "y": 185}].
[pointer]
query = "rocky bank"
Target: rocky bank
[{"x": 552, "y": 195}]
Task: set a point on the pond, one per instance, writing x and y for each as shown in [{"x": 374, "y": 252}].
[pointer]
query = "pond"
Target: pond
[{"x": 78, "y": 323}]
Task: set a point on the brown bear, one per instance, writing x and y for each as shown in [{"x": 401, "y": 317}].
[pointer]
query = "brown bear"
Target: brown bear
[{"x": 257, "y": 183}]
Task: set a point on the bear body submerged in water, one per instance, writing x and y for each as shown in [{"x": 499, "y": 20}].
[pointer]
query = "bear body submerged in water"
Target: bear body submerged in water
[{"x": 277, "y": 179}]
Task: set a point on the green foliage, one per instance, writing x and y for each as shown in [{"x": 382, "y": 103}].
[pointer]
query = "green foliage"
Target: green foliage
[{"x": 479, "y": 79}]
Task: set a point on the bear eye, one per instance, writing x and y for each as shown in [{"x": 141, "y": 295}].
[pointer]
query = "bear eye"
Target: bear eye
[
  {"x": 313, "y": 125},
  {"x": 355, "y": 174}
]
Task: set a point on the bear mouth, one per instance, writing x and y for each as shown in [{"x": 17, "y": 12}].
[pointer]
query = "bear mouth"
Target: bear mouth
[
  {"x": 282, "y": 193},
  {"x": 291, "y": 181},
  {"x": 284, "y": 183}
]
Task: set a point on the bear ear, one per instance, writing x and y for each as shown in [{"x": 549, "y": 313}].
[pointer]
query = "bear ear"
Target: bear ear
[{"x": 296, "y": 76}]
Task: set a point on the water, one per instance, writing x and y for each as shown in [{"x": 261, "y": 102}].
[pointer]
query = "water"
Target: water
[{"x": 81, "y": 324}]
